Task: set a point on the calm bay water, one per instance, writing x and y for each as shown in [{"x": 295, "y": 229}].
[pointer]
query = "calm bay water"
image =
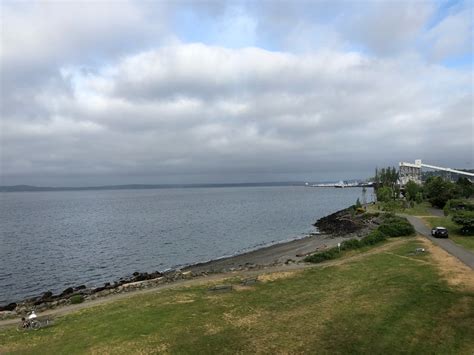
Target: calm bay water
[{"x": 53, "y": 240}]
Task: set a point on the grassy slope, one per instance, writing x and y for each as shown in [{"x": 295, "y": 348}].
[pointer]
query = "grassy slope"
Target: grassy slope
[
  {"x": 466, "y": 241},
  {"x": 381, "y": 302}
]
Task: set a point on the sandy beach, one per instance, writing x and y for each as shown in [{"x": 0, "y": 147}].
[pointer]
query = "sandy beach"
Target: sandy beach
[{"x": 287, "y": 252}]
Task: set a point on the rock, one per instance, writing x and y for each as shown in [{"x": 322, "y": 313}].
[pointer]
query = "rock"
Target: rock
[
  {"x": 81, "y": 287},
  {"x": 47, "y": 295},
  {"x": 67, "y": 292},
  {"x": 8, "y": 307},
  {"x": 98, "y": 289}
]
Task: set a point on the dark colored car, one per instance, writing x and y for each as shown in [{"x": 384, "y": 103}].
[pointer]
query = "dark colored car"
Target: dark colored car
[{"x": 439, "y": 232}]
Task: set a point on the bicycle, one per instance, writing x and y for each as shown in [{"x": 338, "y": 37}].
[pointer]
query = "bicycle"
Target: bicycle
[
  {"x": 33, "y": 322},
  {"x": 28, "y": 324}
]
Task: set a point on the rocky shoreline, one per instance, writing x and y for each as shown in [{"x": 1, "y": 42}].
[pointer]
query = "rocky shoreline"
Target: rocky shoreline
[{"x": 334, "y": 228}]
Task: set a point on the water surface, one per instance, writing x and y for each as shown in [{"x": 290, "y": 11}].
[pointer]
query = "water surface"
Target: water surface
[{"x": 53, "y": 240}]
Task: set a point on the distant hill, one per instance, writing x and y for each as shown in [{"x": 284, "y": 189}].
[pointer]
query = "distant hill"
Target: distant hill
[{"x": 29, "y": 188}]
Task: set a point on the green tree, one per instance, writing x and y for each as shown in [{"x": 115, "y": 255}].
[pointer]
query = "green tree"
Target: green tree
[
  {"x": 464, "y": 187},
  {"x": 439, "y": 191},
  {"x": 419, "y": 197},
  {"x": 411, "y": 190},
  {"x": 386, "y": 177},
  {"x": 384, "y": 194}
]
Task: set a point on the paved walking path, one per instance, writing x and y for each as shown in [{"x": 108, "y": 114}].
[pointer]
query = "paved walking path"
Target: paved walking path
[{"x": 452, "y": 248}]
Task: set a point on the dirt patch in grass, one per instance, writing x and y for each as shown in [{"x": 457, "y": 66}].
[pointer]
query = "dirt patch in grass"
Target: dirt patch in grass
[
  {"x": 212, "y": 329},
  {"x": 139, "y": 347},
  {"x": 245, "y": 321},
  {"x": 178, "y": 299},
  {"x": 461, "y": 308},
  {"x": 240, "y": 288},
  {"x": 455, "y": 272},
  {"x": 278, "y": 275}
]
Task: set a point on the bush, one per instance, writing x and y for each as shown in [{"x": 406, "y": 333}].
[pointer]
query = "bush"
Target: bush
[
  {"x": 373, "y": 238},
  {"x": 466, "y": 220},
  {"x": 394, "y": 226},
  {"x": 455, "y": 205},
  {"x": 76, "y": 299},
  {"x": 329, "y": 254},
  {"x": 350, "y": 244}
]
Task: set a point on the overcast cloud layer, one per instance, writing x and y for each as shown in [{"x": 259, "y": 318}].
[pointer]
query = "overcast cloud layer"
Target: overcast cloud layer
[{"x": 133, "y": 92}]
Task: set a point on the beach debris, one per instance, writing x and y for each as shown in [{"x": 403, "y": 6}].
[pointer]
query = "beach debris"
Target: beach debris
[
  {"x": 417, "y": 251},
  {"x": 187, "y": 275},
  {"x": 249, "y": 281},
  {"x": 220, "y": 288}
]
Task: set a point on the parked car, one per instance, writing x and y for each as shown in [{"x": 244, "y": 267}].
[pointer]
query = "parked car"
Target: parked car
[{"x": 439, "y": 232}]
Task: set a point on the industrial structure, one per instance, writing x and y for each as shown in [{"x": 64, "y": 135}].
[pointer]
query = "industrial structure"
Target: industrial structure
[{"x": 412, "y": 172}]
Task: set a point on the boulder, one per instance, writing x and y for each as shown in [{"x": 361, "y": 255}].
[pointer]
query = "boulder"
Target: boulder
[
  {"x": 8, "y": 307},
  {"x": 67, "y": 292}
]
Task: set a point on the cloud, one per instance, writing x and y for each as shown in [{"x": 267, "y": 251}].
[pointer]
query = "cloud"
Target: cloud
[
  {"x": 100, "y": 94},
  {"x": 452, "y": 36},
  {"x": 389, "y": 27},
  {"x": 197, "y": 109}
]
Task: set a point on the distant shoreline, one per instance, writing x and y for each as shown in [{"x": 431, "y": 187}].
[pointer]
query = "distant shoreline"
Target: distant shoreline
[{"x": 29, "y": 188}]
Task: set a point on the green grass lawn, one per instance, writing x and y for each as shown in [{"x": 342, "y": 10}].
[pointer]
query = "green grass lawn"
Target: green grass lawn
[
  {"x": 387, "y": 302},
  {"x": 453, "y": 229}
]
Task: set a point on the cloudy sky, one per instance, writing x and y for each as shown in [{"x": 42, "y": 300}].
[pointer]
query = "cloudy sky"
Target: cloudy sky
[{"x": 112, "y": 92}]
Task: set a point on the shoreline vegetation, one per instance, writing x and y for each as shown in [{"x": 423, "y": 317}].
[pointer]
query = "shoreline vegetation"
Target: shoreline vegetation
[{"x": 333, "y": 229}]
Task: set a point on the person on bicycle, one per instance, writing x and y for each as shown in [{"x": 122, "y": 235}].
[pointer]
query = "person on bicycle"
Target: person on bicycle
[
  {"x": 24, "y": 322},
  {"x": 32, "y": 316}
]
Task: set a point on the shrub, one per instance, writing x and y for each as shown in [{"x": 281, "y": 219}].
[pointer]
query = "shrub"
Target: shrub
[
  {"x": 466, "y": 220},
  {"x": 373, "y": 238},
  {"x": 329, "y": 254},
  {"x": 350, "y": 244},
  {"x": 76, "y": 299},
  {"x": 394, "y": 226},
  {"x": 454, "y": 205}
]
